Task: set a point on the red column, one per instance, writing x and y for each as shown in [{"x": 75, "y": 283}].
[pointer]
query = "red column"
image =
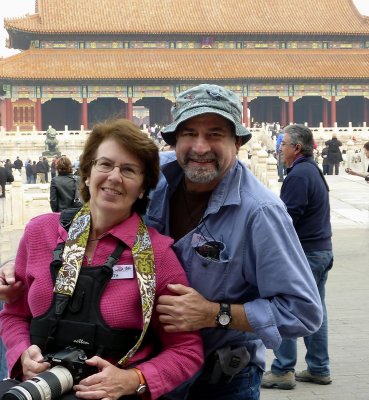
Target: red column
[
  {"x": 130, "y": 109},
  {"x": 283, "y": 113},
  {"x": 325, "y": 113},
  {"x": 8, "y": 115},
  {"x": 84, "y": 114},
  {"x": 290, "y": 109},
  {"x": 333, "y": 110},
  {"x": 245, "y": 117},
  {"x": 38, "y": 115}
]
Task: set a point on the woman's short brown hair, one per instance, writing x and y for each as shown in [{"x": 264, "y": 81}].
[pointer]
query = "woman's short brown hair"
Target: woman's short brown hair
[
  {"x": 131, "y": 138},
  {"x": 64, "y": 166}
]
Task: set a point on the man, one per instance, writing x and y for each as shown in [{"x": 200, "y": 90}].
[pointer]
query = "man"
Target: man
[
  {"x": 29, "y": 172},
  {"x": 334, "y": 155},
  {"x": 5, "y": 177},
  {"x": 226, "y": 227},
  {"x": 306, "y": 195},
  {"x": 41, "y": 171},
  {"x": 18, "y": 164},
  {"x": 325, "y": 163}
]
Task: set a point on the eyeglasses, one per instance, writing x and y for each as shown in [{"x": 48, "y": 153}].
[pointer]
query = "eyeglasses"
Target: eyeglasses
[
  {"x": 127, "y": 170},
  {"x": 287, "y": 144}
]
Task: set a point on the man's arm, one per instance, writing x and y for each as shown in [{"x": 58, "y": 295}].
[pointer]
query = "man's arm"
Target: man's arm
[
  {"x": 190, "y": 311},
  {"x": 10, "y": 290}
]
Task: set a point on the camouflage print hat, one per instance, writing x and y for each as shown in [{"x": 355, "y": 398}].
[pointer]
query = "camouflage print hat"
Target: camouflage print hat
[{"x": 205, "y": 99}]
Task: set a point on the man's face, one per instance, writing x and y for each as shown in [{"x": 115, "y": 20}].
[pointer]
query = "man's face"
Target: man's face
[
  {"x": 289, "y": 151},
  {"x": 206, "y": 149}
]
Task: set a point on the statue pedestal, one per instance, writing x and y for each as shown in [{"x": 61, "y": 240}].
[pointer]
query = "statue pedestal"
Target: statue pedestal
[{"x": 51, "y": 153}]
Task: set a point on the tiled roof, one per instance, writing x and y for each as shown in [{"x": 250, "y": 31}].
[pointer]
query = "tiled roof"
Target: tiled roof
[
  {"x": 209, "y": 64},
  {"x": 193, "y": 16}
]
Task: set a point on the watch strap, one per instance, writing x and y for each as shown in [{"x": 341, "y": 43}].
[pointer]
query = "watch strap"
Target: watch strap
[{"x": 140, "y": 390}]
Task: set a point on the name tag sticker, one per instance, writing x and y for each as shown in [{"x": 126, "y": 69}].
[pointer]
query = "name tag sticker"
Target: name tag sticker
[{"x": 122, "y": 272}]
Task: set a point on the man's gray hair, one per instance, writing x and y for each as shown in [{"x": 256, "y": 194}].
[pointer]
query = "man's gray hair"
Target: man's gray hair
[{"x": 301, "y": 134}]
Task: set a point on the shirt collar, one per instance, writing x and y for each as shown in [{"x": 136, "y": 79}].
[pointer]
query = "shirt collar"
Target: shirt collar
[
  {"x": 298, "y": 160},
  {"x": 126, "y": 231}
]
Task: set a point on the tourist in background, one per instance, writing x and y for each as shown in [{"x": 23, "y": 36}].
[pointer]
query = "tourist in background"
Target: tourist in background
[
  {"x": 64, "y": 188},
  {"x": 47, "y": 168},
  {"x": 29, "y": 172},
  {"x": 363, "y": 175},
  {"x": 334, "y": 155},
  {"x": 34, "y": 171},
  {"x": 8, "y": 165},
  {"x": 306, "y": 195},
  {"x": 18, "y": 164},
  {"x": 5, "y": 177},
  {"x": 325, "y": 163},
  {"x": 41, "y": 171}
]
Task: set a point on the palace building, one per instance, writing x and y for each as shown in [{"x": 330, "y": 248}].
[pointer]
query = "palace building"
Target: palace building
[{"x": 87, "y": 60}]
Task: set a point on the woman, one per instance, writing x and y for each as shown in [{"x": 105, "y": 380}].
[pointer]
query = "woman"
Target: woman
[
  {"x": 119, "y": 166},
  {"x": 64, "y": 186}
]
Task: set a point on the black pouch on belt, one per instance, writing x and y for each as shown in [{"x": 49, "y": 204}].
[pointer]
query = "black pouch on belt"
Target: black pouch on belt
[{"x": 226, "y": 363}]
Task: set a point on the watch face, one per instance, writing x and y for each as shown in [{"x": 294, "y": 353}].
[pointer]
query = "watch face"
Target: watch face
[
  {"x": 141, "y": 389},
  {"x": 224, "y": 319}
]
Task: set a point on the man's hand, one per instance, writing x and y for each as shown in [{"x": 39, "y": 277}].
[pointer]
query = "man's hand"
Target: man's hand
[
  {"x": 9, "y": 289},
  {"x": 188, "y": 311}
]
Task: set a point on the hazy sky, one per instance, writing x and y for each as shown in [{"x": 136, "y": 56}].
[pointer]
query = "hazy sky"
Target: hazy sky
[{"x": 14, "y": 8}]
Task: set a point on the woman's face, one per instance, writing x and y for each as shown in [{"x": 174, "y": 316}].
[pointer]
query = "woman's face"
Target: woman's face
[{"x": 112, "y": 192}]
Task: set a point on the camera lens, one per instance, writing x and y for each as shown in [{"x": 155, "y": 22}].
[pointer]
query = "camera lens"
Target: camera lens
[{"x": 48, "y": 385}]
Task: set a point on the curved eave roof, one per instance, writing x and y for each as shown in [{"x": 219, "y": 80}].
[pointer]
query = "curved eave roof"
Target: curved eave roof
[
  {"x": 308, "y": 17},
  {"x": 169, "y": 65}
]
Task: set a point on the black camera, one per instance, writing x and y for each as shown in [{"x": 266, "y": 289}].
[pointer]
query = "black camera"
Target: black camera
[{"x": 67, "y": 368}]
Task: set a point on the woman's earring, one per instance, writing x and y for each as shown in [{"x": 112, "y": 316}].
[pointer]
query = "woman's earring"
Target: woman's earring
[
  {"x": 87, "y": 182},
  {"x": 141, "y": 196}
]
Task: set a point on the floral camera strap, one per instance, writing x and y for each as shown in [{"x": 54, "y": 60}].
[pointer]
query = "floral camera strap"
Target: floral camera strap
[{"x": 143, "y": 258}]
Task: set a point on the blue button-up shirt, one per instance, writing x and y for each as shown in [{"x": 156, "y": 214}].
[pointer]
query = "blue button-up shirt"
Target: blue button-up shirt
[{"x": 261, "y": 263}]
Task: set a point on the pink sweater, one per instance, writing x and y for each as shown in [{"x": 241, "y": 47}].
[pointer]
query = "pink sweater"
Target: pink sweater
[{"x": 181, "y": 355}]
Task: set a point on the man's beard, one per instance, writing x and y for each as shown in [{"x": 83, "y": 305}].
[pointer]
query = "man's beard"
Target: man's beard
[{"x": 200, "y": 174}]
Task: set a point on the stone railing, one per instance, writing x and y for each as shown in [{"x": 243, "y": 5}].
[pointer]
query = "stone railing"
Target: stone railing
[
  {"x": 22, "y": 202},
  {"x": 31, "y": 144}
]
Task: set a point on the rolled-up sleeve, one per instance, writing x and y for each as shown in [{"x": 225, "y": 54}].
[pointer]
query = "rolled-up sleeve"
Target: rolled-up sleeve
[{"x": 289, "y": 305}]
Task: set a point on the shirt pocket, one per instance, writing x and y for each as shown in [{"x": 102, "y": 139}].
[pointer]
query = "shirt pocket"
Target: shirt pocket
[{"x": 209, "y": 267}]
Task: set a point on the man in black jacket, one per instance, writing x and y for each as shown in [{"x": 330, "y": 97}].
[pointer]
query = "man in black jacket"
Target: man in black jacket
[
  {"x": 5, "y": 176},
  {"x": 40, "y": 170},
  {"x": 306, "y": 195}
]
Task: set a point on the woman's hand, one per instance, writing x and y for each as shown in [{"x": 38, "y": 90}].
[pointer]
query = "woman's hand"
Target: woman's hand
[
  {"x": 9, "y": 289},
  {"x": 32, "y": 362},
  {"x": 109, "y": 383}
]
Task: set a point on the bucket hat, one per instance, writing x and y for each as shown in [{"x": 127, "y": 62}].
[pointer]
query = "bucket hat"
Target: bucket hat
[{"x": 203, "y": 99}]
